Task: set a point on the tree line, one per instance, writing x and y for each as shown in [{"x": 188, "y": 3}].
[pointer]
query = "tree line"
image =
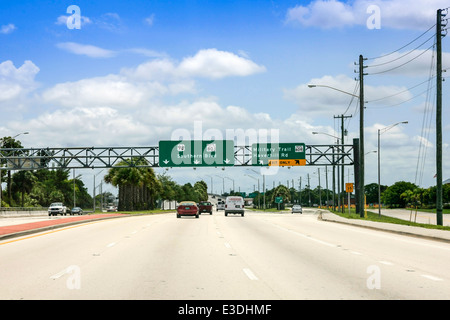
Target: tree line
[
  {"x": 138, "y": 188},
  {"x": 399, "y": 195}
]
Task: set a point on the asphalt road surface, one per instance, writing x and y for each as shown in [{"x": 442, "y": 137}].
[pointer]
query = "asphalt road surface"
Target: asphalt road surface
[{"x": 259, "y": 256}]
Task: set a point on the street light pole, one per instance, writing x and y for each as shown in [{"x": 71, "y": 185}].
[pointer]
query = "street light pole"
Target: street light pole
[{"x": 379, "y": 175}]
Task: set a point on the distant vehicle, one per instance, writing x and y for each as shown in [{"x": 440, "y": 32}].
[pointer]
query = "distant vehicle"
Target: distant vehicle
[
  {"x": 205, "y": 206},
  {"x": 187, "y": 208},
  {"x": 220, "y": 205},
  {"x": 111, "y": 209},
  {"x": 297, "y": 208},
  {"x": 76, "y": 210},
  {"x": 57, "y": 208},
  {"x": 234, "y": 204}
]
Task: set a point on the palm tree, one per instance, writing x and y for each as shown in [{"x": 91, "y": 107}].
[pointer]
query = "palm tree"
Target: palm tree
[
  {"x": 412, "y": 197},
  {"x": 281, "y": 191},
  {"x": 22, "y": 182},
  {"x": 138, "y": 186}
]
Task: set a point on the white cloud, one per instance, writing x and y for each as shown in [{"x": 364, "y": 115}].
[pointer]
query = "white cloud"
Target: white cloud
[
  {"x": 323, "y": 14},
  {"x": 136, "y": 88},
  {"x": 215, "y": 64},
  {"x": 87, "y": 50},
  {"x": 405, "y": 14},
  {"x": 111, "y": 90},
  {"x": 5, "y": 29},
  {"x": 150, "y": 19},
  {"x": 15, "y": 82},
  {"x": 207, "y": 63}
]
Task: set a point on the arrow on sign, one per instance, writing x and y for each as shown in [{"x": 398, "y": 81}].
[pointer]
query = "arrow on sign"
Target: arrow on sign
[
  {"x": 166, "y": 161},
  {"x": 226, "y": 160},
  {"x": 196, "y": 162}
]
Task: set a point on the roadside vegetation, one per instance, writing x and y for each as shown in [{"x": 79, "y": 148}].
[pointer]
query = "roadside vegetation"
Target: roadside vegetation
[{"x": 371, "y": 216}]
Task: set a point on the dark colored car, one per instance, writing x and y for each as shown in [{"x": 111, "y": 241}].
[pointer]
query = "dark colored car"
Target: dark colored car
[
  {"x": 205, "y": 206},
  {"x": 187, "y": 208},
  {"x": 76, "y": 210}
]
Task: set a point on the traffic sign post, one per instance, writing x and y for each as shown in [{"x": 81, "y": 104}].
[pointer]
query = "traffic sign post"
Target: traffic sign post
[
  {"x": 196, "y": 153},
  {"x": 349, "y": 190},
  {"x": 278, "y": 200},
  {"x": 278, "y": 154}
]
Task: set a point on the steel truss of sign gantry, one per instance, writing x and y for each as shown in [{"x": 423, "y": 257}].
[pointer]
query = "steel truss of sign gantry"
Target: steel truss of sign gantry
[{"x": 108, "y": 157}]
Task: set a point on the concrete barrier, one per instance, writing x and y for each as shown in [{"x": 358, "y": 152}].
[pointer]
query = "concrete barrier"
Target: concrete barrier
[{"x": 22, "y": 213}]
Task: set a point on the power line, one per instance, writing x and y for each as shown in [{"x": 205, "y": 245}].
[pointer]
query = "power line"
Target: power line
[
  {"x": 385, "y": 55},
  {"x": 396, "y": 59},
  {"x": 399, "y": 66},
  {"x": 400, "y": 103}
]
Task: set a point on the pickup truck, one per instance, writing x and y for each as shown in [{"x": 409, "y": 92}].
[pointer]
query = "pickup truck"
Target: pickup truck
[
  {"x": 57, "y": 208},
  {"x": 205, "y": 206}
]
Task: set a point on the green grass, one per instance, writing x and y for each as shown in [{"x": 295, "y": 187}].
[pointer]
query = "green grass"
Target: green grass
[{"x": 385, "y": 219}]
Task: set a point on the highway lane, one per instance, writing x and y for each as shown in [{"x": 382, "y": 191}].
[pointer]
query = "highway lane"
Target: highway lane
[{"x": 259, "y": 256}]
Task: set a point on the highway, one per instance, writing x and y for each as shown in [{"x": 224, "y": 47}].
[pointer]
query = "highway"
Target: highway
[{"x": 259, "y": 256}]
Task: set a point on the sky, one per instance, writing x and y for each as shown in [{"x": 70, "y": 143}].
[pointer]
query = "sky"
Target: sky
[{"x": 132, "y": 73}]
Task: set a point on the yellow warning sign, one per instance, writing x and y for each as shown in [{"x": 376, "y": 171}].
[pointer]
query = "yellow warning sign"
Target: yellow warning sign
[
  {"x": 287, "y": 162},
  {"x": 349, "y": 187}
]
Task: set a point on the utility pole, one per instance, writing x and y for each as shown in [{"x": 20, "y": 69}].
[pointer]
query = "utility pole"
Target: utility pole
[
  {"x": 361, "y": 136},
  {"x": 439, "y": 118},
  {"x": 342, "y": 117}
]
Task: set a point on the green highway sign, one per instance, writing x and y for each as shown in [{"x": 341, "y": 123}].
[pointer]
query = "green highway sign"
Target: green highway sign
[
  {"x": 196, "y": 153},
  {"x": 278, "y": 154},
  {"x": 278, "y": 199}
]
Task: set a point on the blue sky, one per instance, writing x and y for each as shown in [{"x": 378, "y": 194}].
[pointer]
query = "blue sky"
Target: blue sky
[{"x": 136, "y": 71}]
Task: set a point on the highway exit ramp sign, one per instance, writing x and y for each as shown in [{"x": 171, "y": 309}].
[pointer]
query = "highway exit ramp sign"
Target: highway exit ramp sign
[
  {"x": 278, "y": 154},
  {"x": 196, "y": 153}
]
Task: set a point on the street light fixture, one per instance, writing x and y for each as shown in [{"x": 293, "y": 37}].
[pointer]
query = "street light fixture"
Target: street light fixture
[
  {"x": 324, "y": 86},
  {"x": 379, "y": 178},
  {"x": 361, "y": 133},
  {"x": 223, "y": 183}
]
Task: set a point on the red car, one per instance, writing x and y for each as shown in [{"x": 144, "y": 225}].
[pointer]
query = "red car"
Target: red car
[
  {"x": 187, "y": 208},
  {"x": 205, "y": 206}
]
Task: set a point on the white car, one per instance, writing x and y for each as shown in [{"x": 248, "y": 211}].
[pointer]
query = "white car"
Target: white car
[
  {"x": 234, "y": 204},
  {"x": 220, "y": 205},
  {"x": 297, "y": 208},
  {"x": 57, "y": 208}
]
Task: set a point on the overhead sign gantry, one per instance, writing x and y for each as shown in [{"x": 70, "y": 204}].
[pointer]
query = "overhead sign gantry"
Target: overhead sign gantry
[{"x": 190, "y": 153}]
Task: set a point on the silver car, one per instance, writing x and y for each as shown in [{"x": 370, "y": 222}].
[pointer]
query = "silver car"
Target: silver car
[{"x": 297, "y": 208}]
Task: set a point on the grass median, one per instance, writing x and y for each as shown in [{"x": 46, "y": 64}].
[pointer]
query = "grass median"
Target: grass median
[{"x": 386, "y": 219}]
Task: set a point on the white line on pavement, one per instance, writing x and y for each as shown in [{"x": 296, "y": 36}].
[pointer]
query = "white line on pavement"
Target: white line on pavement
[{"x": 250, "y": 274}]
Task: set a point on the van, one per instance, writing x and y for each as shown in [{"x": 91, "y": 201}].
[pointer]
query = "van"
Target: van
[{"x": 234, "y": 204}]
